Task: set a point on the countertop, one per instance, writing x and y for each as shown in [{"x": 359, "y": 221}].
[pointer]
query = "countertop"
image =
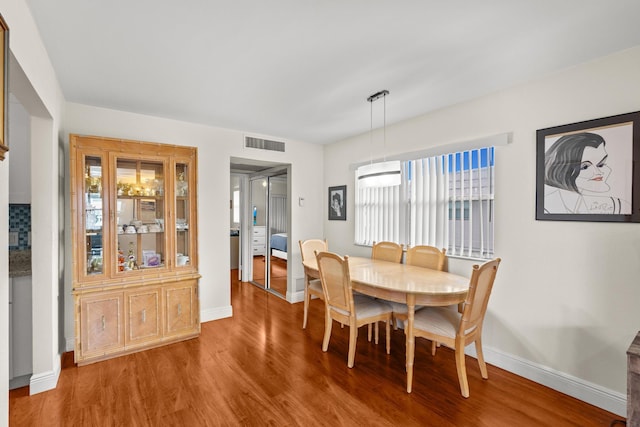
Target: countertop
[{"x": 19, "y": 263}]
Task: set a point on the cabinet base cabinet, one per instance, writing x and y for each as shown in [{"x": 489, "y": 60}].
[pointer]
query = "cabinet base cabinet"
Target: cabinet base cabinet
[
  {"x": 101, "y": 325},
  {"x": 118, "y": 322},
  {"x": 144, "y": 316},
  {"x": 181, "y": 308}
]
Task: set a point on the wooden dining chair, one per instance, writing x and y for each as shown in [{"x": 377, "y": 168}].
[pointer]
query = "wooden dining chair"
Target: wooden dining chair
[
  {"x": 455, "y": 330},
  {"x": 387, "y": 251},
  {"x": 312, "y": 287},
  {"x": 345, "y": 307},
  {"x": 420, "y": 256},
  {"x": 427, "y": 257}
]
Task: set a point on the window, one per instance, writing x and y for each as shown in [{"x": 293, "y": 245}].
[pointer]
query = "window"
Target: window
[{"x": 445, "y": 201}]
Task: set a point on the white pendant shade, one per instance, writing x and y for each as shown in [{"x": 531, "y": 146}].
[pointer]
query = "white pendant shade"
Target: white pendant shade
[{"x": 384, "y": 174}]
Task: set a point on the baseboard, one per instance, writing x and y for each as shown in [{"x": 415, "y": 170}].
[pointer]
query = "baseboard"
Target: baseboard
[
  {"x": 210, "y": 314},
  {"x": 294, "y": 297},
  {"x": 70, "y": 344},
  {"x": 19, "y": 382},
  {"x": 46, "y": 380},
  {"x": 593, "y": 394}
]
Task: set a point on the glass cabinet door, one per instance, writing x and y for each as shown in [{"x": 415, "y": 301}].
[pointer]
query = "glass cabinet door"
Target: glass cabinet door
[
  {"x": 182, "y": 180},
  {"x": 140, "y": 213},
  {"x": 93, "y": 215}
]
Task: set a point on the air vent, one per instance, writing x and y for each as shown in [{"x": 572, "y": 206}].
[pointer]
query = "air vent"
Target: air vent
[{"x": 263, "y": 144}]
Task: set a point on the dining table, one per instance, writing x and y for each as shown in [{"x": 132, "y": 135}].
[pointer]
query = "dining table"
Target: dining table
[{"x": 409, "y": 284}]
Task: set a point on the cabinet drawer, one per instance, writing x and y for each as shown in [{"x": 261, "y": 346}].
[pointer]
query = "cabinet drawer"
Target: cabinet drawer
[
  {"x": 259, "y": 231},
  {"x": 258, "y": 241}
]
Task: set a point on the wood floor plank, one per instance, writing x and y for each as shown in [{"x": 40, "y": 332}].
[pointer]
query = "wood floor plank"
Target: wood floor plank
[{"x": 261, "y": 368}]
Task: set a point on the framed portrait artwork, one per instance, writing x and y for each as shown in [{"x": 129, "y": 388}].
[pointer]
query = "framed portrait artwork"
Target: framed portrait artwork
[
  {"x": 4, "y": 86},
  {"x": 338, "y": 203},
  {"x": 589, "y": 171}
]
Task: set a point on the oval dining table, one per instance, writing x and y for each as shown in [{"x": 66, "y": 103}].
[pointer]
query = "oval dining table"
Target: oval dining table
[{"x": 402, "y": 283}]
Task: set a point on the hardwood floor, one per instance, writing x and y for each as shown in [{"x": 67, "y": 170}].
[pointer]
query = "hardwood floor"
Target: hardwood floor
[{"x": 261, "y": 368}]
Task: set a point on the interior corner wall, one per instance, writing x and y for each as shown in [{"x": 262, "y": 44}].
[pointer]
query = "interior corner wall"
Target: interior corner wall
[
  {"x": 565, "y": 298},
  {"x": 33, "y": 82},
  {"x": 215, "y": 146}
]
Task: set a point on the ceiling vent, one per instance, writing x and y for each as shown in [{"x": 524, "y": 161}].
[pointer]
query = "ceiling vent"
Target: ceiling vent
[{"x": 263, "y": 144}]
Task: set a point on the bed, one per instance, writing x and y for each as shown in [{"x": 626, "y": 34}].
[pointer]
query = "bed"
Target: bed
[{"x": 278, "y": 245}]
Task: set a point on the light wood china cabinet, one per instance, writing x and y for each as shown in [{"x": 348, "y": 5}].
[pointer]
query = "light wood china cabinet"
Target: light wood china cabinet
[{"x": 135, "y": 261}]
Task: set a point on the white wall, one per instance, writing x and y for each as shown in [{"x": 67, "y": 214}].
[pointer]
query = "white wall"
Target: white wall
[
  {"x": 565, "y": 304},
  {"x": 215, "y": 148},
  {"x": 33, "y": 82},
  {"x": 20, "y": 165}
]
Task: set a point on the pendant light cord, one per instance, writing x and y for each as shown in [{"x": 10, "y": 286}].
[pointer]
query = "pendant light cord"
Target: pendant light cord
[
  {"x": 374, "y": 97},
  {"x": 384, "y": 128},
  {"x": 371, "y": 134}
]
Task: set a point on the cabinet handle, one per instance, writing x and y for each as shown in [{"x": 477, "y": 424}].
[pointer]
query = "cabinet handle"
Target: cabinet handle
[
  {"x": 104, "y": 323},
  {"x": 144, "y": 315},
  {"x": 179, "y": 309}
]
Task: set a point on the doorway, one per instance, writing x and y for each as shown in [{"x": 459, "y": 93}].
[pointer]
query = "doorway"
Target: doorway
[{"x": 264, "y": 222}]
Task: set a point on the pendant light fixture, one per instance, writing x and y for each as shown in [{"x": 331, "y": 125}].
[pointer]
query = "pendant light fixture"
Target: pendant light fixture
[{"x": 385, "y": 173}]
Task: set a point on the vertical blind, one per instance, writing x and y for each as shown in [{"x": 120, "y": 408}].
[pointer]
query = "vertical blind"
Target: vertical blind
[{"x": 444, "y": 201}]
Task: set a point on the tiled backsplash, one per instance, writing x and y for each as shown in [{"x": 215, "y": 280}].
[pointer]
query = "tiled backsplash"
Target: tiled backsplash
[{"x": 20, "y": 222}]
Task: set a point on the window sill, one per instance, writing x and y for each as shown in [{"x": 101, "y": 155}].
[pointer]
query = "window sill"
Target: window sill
[{"x": 470, "y": 258}]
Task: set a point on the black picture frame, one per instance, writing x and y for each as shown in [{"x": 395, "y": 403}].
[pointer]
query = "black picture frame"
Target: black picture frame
[
  {"x": 580, "y": 178},
  {"x": 338, "y": 196}
]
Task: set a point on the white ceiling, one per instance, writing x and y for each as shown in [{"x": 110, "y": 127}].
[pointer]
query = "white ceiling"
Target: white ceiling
[{"x": 302, "y": 69}]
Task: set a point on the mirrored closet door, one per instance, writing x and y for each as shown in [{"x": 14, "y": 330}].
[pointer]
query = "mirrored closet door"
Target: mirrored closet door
[{"x": 269, "y": 231}]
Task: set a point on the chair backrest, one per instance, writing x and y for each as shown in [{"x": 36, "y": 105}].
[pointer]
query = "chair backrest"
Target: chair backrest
[
  {"x": 336, "y": 281},
  {"x": 480, "y": 286},
  {"x": 387, "y": 251},
  {"x": 308, "y": 248},
  {"x": 427, "y": 257}
]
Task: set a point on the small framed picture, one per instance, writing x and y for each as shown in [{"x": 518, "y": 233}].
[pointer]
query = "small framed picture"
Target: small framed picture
[
  {"x": 338, "y": 203},
  {"x": 590, "y": 171}
]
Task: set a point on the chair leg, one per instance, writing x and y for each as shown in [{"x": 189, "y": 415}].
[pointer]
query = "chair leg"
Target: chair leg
[
  {"x": 377, "y": 332},
  {"x": 306, "y": 306},
  {"x": 462, "y": 369},
  {"x": 353, "y": 339},
  {"x": 481, "y": 363},
  {"x": 369, "y": 332},
  {"x": 388, "y": 323},
  {"x": 395, "y": 322},
  {"x": 328, "y": 323}
]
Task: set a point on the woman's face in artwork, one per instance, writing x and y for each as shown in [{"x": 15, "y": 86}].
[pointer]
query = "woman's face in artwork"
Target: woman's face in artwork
[
  {"x": 336, "y": 203},
  {"x": 593, "y": 170}
]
